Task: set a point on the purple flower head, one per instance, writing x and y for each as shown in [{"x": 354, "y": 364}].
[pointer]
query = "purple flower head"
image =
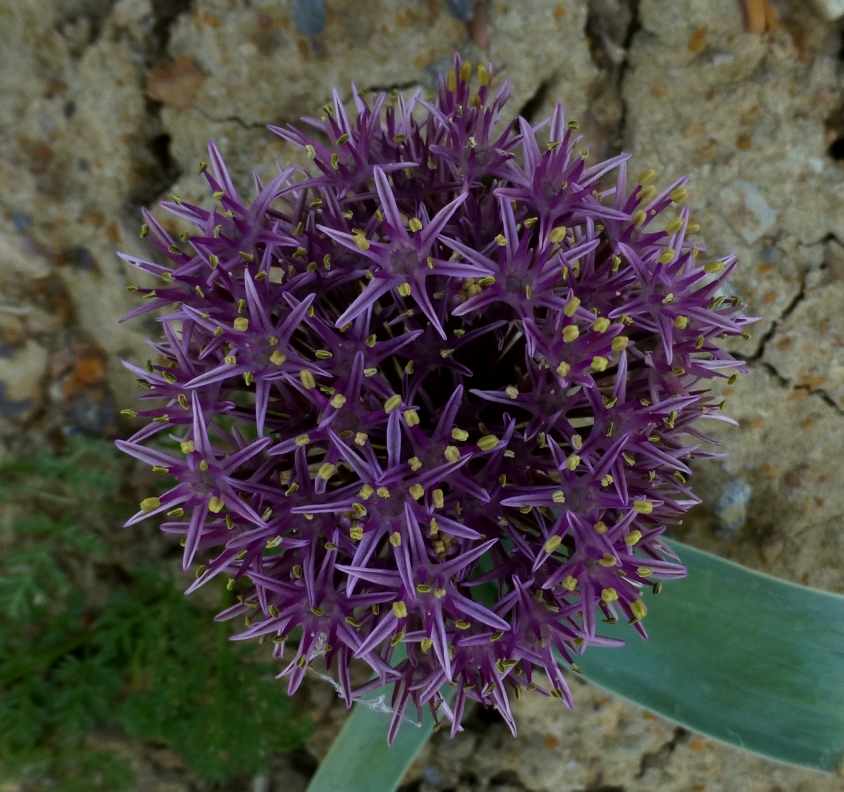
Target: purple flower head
[{"x": 441, "y": 393}]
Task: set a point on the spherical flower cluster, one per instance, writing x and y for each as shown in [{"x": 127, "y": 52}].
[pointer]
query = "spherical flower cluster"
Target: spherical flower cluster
[{"x": 436, "y": 399}]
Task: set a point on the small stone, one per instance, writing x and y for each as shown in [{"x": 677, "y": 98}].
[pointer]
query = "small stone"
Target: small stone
[
  {"x": 177, "y": 84},
  {"x": 731, "y": 508}
]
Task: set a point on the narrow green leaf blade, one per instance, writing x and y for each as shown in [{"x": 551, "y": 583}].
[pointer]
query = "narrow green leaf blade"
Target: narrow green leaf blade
[
  {"x": 739, "y": 656},
  {"x": 359, "y": 759}
]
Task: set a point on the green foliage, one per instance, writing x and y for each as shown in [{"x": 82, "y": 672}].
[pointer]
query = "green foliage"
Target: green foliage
[{"x": 88, "y": 647}]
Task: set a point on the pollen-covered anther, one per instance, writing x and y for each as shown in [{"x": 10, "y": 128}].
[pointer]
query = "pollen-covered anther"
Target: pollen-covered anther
[
  {"x": 452, "y": 453},
  {"x": 678, "y": 195},
  {"x": 392, "y": 403},
  {"x": 569, "y": 583},
  {"x": 361, "y": 438},
  {"x": 563, "y": 369},
  {"x": 608, "y": 560},
  {"x": 337, "y": 401},
  {"x": 647, "y": 193},
  {"x": 150, "y": 504},
  {"x": 571, "y": 306},
  {"x": 488, "y": 442},
  {"x": 642, "y": 507},
  {"x": 608, "y": 595},
  {"x": 411, "y": 417},
  {"x": 572, "y": 462},
  {"x": 459, "y": 434},
  {"x": 570, "y": 333},
  {"x": 307, "y": 379},
  {"x": 437, "y": 498},
  {"x": 599, "y": 363},
  {"x": 326, "y": 471},
  {"x": 416, "y": 491},
  {"x": 638, "y": 609},
  {"x": 552, "y": 544},
  {"x": 633, "y": 538},
  {"x": 399, "y": 610},
  {"x": 216, "y": 505}
]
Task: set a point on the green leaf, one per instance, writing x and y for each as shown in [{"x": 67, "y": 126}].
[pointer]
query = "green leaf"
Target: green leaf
[
  {"x": 745, "y": 658},
  {"x": 359, "y": 759}
]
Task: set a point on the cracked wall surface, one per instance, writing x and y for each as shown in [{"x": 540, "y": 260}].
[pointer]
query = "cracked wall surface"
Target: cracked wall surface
[{"x": 108, "y": 106}]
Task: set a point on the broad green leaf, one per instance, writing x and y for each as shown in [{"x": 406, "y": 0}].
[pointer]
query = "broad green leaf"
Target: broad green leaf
[
  {"x": 739, "y": 656},
  {"x": 745, "y": 658}
]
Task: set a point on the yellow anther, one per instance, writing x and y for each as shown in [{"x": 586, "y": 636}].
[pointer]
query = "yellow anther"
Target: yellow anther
[
  {"x": 216, "y": 505},
  {"x": 639, "y": 217},
  {"x": 434, "y": 526},
  {"x": 666, "y": 256},
  {"x": 681, "y": 322},
  {"x": 484, "y": 77},
  {"x": 187, "y": 446},
  {"x": 609, "y": 595},
  {"x": 599, "y": 363},
  {"x": 437, "y": 498},
  {"x": 553, "y": 543},
  {"x": 679, "y": 195},
  {"x": 558, "y": 234},
  {"x": 607, "y": 480},
  {"x": 392, "y": 403},
  {"x": 619, "y": 343},
  {"x": 674, "y": 226},
  {"x": 563, "y": 369},
  {"x": 415, "y": 463},
  {"x": 150, "y": 504},
  {"x": 230, "y": 360},
  {"x": 395, "y": 539},
  {"x": 572, "y": 462},
  {"x": 302, "y": 440},
  {"x": 361, "y": 242},
  {"x": 647, "y": 176},
  {"x": 487, "y": 281},
  {"x": 459, "y": 434},
  {"x": 323, "y": 354},
  {"x": 487, "y": 443},
  {"x": 203, "y": 465},
  {"x": 361, "y": 438},
  {"x": 404, "y": 289},
  {"x": 577, "y": 441},
  {"x": 642, "y": 507},
  {"x": 307, "y": 378},
  {"x": 501, "y": 240},
  {"x": 411, "y": 417},
  {"x": 337, "y": 401},
  {"x": 240, "y": 324},
  {"x": 356, "y": 533},
  {"x": 452, "y": 453},
  {"x": 416, "y": 491},
  {"x": 647, "y": 194},
  {"x": 366, "y": 492},
  {"x": 608, "y": 560},
  {"x": 415, "y": 224},
  {"x": 669, "y": 298},
  {"x": 277, "y": 358},
  {"x": 558, "y": 497},
  {"x": 460, "y": 624},
  {"x": 571, "y": 306},
  {"x": 601, "y": 324},
  {"x": 644, "y": 571},
  {"x": 692, "y": 228},
  {"x": 633, "y": 538},
  {"x": 569, "y": 583},
  {"x": 601, "y": 527},
  {"x": 638, "y": 609},
  {"x": 399, "y": 610},
  {"x": 370, "y": 372},
  {"x": 570, "y": 333},
  {"x": 326, "y": 471},
  {"x": 713, "y": 266},
  {"x": 512, "y": 391}
]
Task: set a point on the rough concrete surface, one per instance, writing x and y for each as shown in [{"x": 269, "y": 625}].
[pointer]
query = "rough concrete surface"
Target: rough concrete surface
[{"x": 107, "y": 106}]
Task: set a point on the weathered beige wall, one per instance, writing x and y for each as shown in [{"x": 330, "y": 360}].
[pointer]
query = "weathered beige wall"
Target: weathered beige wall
[{"x": 104, "y": 106}]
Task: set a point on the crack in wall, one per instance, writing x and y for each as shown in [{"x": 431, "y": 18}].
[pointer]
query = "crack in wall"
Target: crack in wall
[{"x": 658, "y": 759}]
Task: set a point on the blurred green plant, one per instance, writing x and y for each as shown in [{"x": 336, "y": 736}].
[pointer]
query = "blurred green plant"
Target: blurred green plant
[{"x": 80, "y": 656}]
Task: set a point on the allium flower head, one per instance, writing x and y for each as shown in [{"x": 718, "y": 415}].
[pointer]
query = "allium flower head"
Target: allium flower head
[{"x": 437, "y": 398}]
